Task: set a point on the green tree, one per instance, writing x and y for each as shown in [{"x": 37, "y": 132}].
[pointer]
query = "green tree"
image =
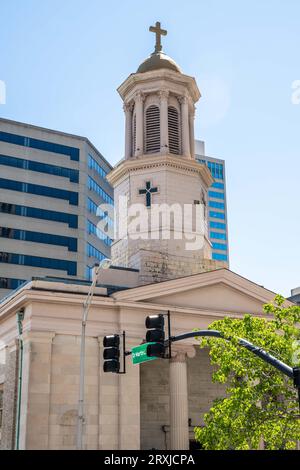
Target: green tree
[{"x": 260, "y": 404}]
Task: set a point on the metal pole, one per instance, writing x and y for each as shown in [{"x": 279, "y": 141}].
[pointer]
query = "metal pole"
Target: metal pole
[
  {"x": 20, "y": 318},
  {"x": 105, "y": 264},
  {"x": 86, "y": 308},
  {"x": 81, "y": 388}
]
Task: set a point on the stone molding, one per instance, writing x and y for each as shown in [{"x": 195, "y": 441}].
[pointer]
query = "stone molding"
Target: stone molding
[
  {"x": 167, "y": 161},
  {"x": 180, "y": 352}
]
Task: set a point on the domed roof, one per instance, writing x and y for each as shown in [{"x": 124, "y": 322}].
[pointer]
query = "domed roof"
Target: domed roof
[{"x": 156, "y": 61}]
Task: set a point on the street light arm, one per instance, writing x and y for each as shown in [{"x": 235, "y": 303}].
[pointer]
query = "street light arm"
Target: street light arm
[
  {"x": 264, "y": 355},
  {"x": 88, "y": 301}
]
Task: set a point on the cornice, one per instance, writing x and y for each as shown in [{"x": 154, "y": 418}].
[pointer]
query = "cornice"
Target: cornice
[
  {"x": 209, "y": 278},
  {"x": 159, "y": 75},
  {"x": 148, "y": 162}
]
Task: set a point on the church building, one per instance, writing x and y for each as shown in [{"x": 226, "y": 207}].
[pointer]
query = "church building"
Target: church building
[{"x": 159, "y": 265}]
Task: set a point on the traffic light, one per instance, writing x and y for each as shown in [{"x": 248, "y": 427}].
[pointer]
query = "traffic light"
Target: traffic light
[
  {"x": 111, "y": 353},
  {"x": 156, "y": 335}
]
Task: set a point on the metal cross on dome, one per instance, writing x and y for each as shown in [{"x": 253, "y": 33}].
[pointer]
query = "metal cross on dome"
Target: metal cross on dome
[
  {"x": 159, "y": 33},
  {"x": 148, "y": 191}
]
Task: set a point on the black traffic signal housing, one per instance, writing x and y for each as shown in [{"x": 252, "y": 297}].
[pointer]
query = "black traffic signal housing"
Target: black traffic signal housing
[
  {"x": 155, "y": 325},
  {"x": 111, "y": 354}
]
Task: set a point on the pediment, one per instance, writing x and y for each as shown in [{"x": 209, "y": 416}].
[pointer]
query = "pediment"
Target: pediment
[{"x": 219, "y": 291}]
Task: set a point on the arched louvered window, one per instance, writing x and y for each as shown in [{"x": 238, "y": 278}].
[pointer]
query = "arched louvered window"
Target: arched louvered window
[
  {"x": 152, "y": 137},
  {"x": 133, "y": 144},
  {"x": 174, "y": 130}
]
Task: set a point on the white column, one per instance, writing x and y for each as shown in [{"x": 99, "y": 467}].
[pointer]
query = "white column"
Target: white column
[
  {"x": 128, "y": 129},
  {"x": 139, "y": 104},
  {"x": 179, "y": 405},
  {"x": 185, "y": 126},
  {"x": 164, "y": 128},
  {"x": 192, "y": 131},
  {"x": 36, "y": 431}
]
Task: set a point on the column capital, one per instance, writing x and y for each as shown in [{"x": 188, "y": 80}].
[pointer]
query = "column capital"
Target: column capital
[
  {"x": 183, "y": 99},
  {"x": 45, "y": 337},
  {"x": 163, "y": 94},
  {"x": 180, "y": 352},
  {"x": 128, "y": 107},
  {"x": 139, "y": 97}
]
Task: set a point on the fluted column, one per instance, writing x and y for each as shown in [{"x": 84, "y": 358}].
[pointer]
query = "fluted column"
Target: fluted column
[
  {"x": 192, "y": 131},
  {"x": 164, "y": 128},
  {"x": 179, "y": 405},
  {"x": 185, "y": 126},
  {"x": 139, "y": 104},
  {"x": 128, "y": 129}
]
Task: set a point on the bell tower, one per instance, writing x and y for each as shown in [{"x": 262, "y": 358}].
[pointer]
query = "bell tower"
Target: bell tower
[{"x": 160, "y": 174}]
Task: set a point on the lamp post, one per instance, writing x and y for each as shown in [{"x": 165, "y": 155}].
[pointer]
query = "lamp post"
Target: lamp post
[{"x": 105, "y": 264}]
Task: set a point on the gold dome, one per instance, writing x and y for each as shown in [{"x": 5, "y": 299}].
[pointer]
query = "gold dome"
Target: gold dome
[{"x": 158, "y": 60}]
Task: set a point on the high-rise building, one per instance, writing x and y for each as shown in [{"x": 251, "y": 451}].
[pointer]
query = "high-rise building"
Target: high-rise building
[
  {"x": 217, "y": 204},
  {"x": 51, "y": 184},
  {"x": 295, "y": 295}
]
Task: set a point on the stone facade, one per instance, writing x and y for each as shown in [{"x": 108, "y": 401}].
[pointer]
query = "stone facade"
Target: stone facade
[{"x": 129, "y": 411}]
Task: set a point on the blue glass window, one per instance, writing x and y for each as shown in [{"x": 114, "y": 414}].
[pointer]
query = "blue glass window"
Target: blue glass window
[
  {"x": 9, "y": 283},
  {"x": 73, "y": 175},
  {"x": 46, "y": 191},
  {"x": 217, "y": 215},
  {"x": 219, "y": 246},
  {"x": 96, "y": 210},
  {"x": 70, "y": 219},
  {"x": 93, "y": 186},
  {"x": 92, "y": 252},
  {"x": 88, "y": 273},
  {"x": 37, "y": 237},
  {"x": 216, "y": 205},
  {"x": 92, "y": 206},
  {"x": 218, "y": 185},
  {"x": 36, "y": 261},
  {"x": 219, "y": 257},
  {"x": 216, "y": 195},
  {"x": 94, "y": 165},
  {"x": 218, "y": 235},
  {"x": 216, "y": 169},
  {"x": 15, "y": 139},
  {"x": 94, "y": 230},
  {"x": 217, "y": 225}
]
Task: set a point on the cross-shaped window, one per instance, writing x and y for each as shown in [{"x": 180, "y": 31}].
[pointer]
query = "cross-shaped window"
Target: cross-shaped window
[{"x": 148, "y": 191}]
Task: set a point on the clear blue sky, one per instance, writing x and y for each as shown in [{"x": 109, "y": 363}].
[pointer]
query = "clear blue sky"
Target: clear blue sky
[{"x": 63, "y": 60}]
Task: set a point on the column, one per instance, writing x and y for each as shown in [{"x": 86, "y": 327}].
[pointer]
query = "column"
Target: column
[
  {"x": 128, "y": 129},
  {"x": 185, "y": 126},
  {"x": 179, "y": 405},
  {"x": 36, "y": 390},
  {"x": 139, "y": 105},
  {"x": 192, "y": 133},
  {"x": 164, "y": 128},
  {"x": 10, "y": 397}
]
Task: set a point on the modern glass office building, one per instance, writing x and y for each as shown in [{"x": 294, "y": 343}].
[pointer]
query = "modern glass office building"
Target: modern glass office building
[
  {"x": 51, "y": 185},
  {"x": 217, "y": 206}
]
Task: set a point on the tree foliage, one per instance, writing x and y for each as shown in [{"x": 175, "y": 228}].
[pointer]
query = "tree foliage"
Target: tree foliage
[{"x": 260, "y": 405}]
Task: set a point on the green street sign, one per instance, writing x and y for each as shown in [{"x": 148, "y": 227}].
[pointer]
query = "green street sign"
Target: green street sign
[{"x": 139, "y": 354}]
